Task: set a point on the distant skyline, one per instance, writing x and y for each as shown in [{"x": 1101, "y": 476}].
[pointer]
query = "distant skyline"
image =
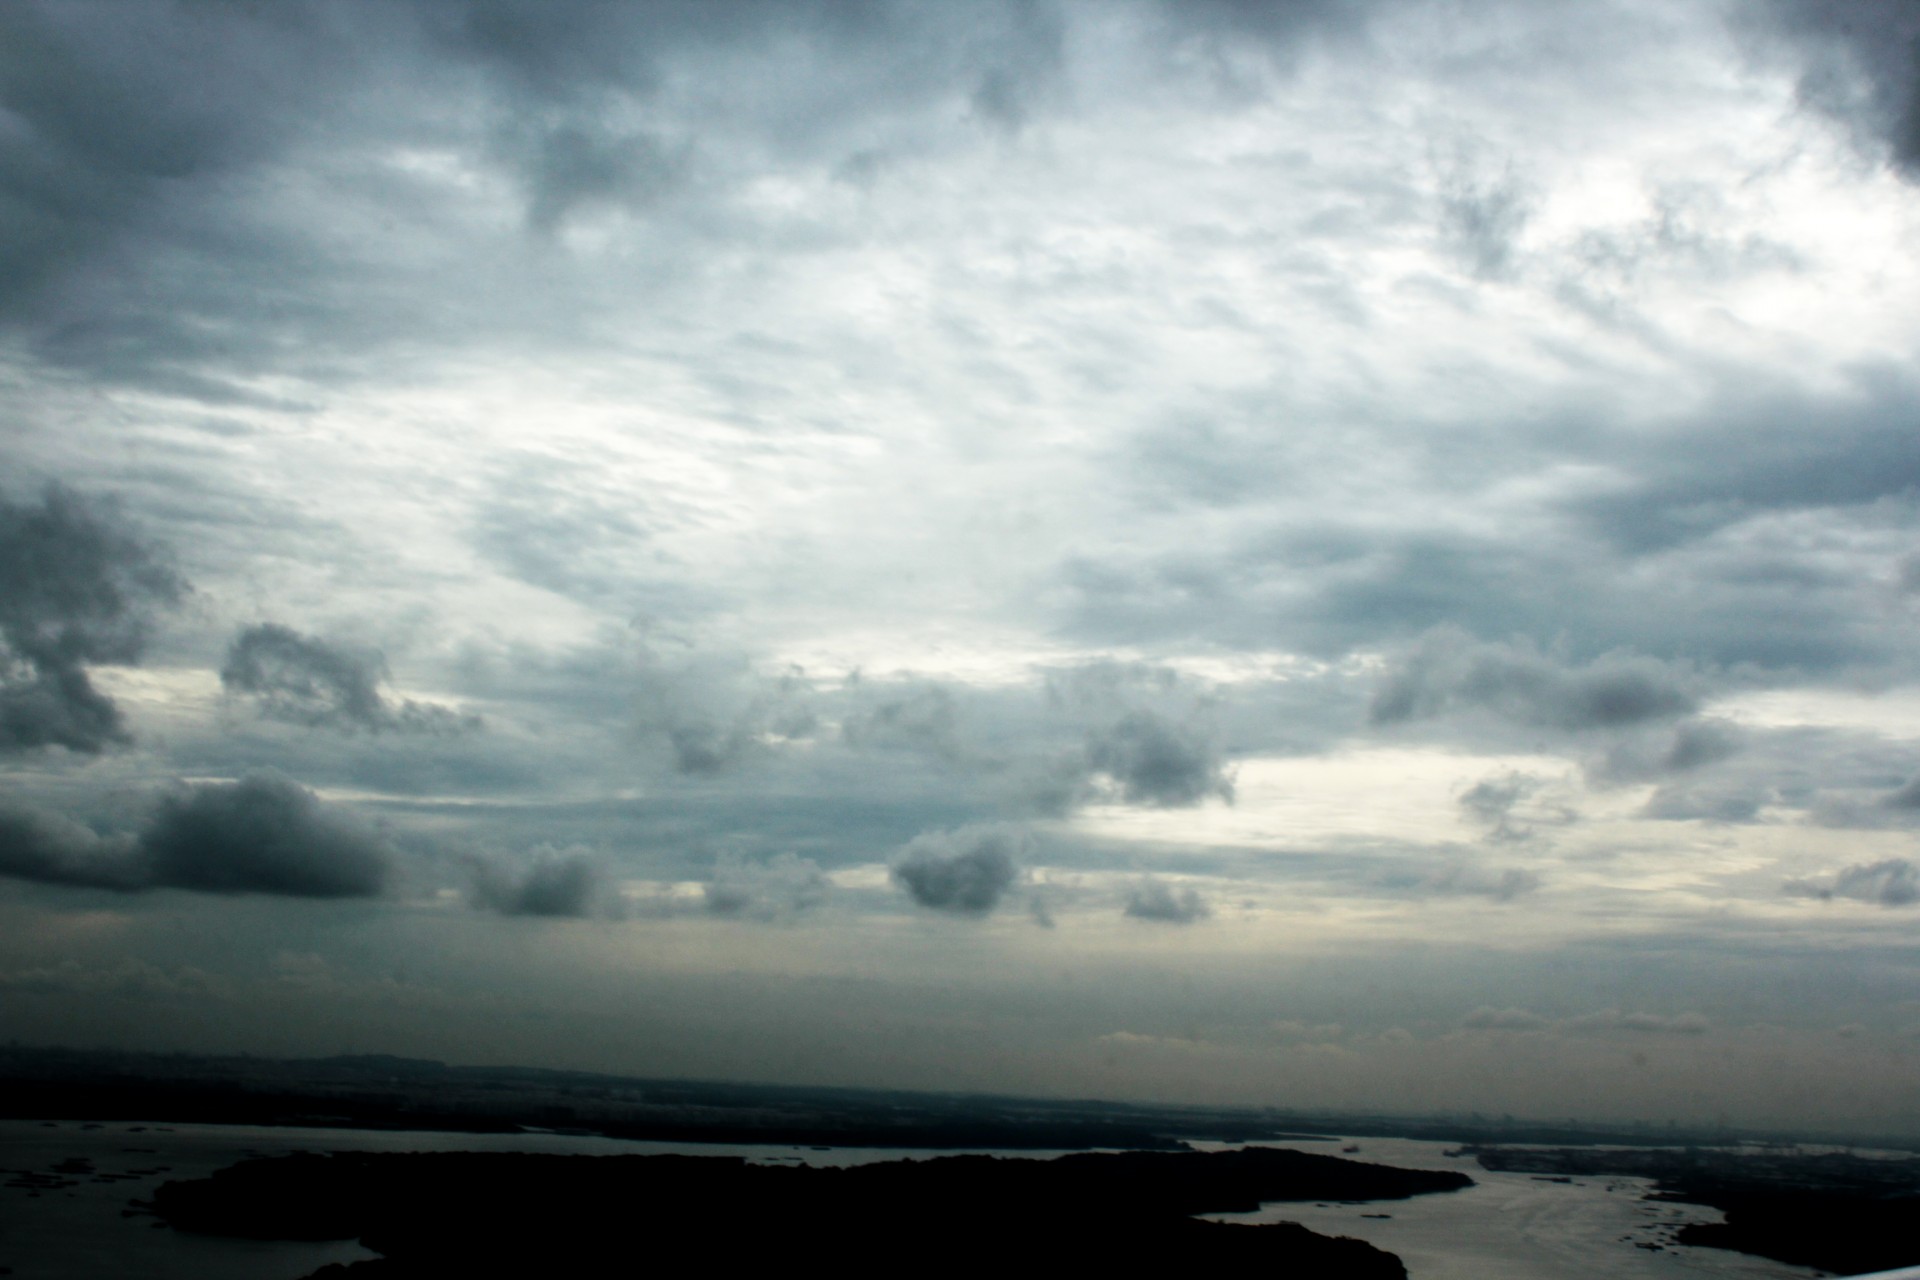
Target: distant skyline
[{"x": 1337, "y": 555}]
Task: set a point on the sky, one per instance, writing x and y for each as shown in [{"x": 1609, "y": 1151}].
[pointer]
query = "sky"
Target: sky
[{"x": 1338, "y": 555}]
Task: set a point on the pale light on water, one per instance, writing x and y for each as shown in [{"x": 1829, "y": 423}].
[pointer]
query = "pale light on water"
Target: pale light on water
[{"x": 1513, "y": 1226}]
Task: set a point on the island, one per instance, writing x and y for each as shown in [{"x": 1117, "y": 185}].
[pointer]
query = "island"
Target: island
[{"x": 445, "y": 1214}]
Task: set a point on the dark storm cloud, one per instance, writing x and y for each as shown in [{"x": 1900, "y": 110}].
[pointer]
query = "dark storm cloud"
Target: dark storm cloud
[
  {"x": 1154, "y": 761},
  {"x": 75, "y": 589},
  {"x": 1858, "y": 65},
  {"x": 1154, "y": 900},
  {"x": 304, "y": 680},
  {"x": 557, "y": 885},
  {"x": 963, "y": 872},
  {"x": 50, "y": 849},
  {"x": 263, "y": 834},
  {"x": 1450, "y": 671},
  {"x": 784, "y": 885},
  {"x": 1907, "y": 797},
  {"x": 1892, "y": 883}
]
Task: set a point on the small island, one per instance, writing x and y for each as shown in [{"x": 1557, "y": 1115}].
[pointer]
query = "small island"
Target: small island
[{"x": 451, "y": 1213}]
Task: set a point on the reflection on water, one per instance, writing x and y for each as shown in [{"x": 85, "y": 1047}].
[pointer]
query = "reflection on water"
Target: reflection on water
[
  {"x": 1509, "y": 1227},
  {"x": 1513, "y": 1226}
]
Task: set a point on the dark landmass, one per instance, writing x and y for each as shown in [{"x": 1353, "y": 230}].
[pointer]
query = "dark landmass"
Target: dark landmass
[
  {"x": 1841, "y": 1213},
  {"x": 378, "y": 1091},
  {"x": 447, "y": 1214}
]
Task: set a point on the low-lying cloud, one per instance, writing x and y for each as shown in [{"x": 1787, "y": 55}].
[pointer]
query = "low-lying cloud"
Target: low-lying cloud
[
  {"x": 50, "y": 849},
  {"x": 558, "y": 885},
  {"x": 1487, "y": 1018},
  {"x": 1156, "y": 900},
  {"x": 263, "y": 834},
  {"x": 784, "y": 885},
  {"x": 963, "y": 872}
]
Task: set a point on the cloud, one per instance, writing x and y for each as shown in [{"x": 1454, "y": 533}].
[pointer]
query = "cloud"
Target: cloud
[
  {"x": 1490, "y": 802},
  {"x": 1480, "y": 220},
  {"x": 104, "y": 127},
  {"x": 1679, "y": 1024},
  {"x": 558, "y": 885},
  {"x": 1448, "y": 670},
  {"x": 1907, "y": 797},
  {"x": 1153, "y": 900},
  {"x": 75, "y": 589},
  {"x": 715, "y": 709},
  {"x": 303, "y": 680},
  {"x": 1894, "y": 882},
  {"x": 925, "y": 718},
  {"x": 1858, "y": 66},
  {"x": 1152, "y": 761},
  {"x": 1733, "y": 803},
  {"x": 964, "y": 872},
  {"x": 782, "y": 886},
  {"x": 263, "y": 834},
  {"x": 129, "y": 979},
  {"x": 51, "y": 849},
  {"x": 1504, "y": 885},
  {"x": 1487, "y": 1018}
]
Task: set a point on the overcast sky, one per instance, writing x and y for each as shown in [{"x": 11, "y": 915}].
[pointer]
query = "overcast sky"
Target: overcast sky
[{"x": 1330, "y": 554}]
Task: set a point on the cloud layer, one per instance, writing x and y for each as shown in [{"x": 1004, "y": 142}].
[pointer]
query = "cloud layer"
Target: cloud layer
[{"x": 1349, "y": 519}]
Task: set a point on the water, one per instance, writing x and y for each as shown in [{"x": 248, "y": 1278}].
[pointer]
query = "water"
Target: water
[
  {"x": 1512, "y": 1226},
  {"x": 1508, "y": 1227}
]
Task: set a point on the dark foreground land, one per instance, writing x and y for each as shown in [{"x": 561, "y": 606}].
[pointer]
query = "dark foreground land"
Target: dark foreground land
[
  {"x": 496, "y": 1213},
  {"x": 1842, "y": 1213}
]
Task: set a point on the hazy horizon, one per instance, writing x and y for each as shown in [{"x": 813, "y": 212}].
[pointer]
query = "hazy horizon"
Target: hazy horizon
[{"x": 1335, "y": 555}]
